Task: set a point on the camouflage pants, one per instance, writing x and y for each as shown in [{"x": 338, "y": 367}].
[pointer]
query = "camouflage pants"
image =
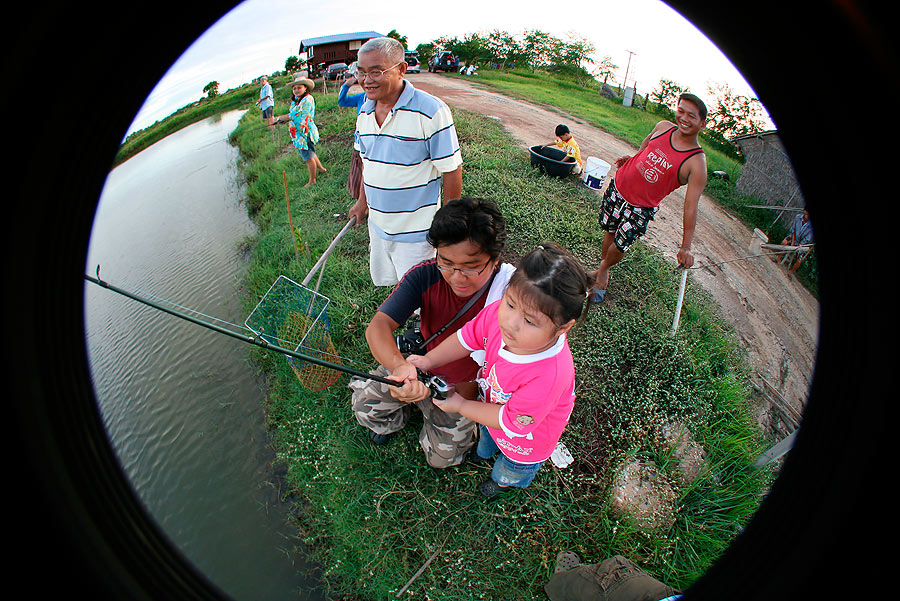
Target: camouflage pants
[{"x": 445, "y": 437}]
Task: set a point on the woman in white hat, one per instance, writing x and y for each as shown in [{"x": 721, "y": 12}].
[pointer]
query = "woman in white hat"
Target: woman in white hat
[{"x": 304, "y": 132}]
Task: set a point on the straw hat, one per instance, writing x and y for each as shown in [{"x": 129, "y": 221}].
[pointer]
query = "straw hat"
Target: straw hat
[{"x": 299, "y": 79}]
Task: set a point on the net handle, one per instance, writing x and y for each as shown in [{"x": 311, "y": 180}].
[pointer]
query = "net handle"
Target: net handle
[{"x": 327, "y": 252}]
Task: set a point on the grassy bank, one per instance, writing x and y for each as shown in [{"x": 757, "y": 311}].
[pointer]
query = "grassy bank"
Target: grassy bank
[
  {"x": 243, "y": 97},
  {"x": 373, "y": 515}
]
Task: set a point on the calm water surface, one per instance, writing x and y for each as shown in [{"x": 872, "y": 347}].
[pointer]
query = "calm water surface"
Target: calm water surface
[{"x": 181, "y": 403}]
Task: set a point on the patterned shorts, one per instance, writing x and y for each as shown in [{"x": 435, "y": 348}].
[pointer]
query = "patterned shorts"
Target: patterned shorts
[{"x": 627, "y": 222}]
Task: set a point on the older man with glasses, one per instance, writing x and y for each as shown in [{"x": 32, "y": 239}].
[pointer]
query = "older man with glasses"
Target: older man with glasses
[
  {"x": 410, "y": 152},
  {"x": 467, "y": 235}
]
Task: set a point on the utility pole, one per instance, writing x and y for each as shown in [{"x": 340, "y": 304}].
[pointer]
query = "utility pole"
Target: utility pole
[{"x": 625, "y": 82}]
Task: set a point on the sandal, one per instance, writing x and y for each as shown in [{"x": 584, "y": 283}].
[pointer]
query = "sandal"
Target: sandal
[
  {"x": 490, "y": 489},
  {"x": 566, "y": 560}
]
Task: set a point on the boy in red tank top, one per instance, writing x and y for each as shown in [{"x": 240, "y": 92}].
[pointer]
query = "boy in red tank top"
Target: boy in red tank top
[{"x": 669, "y": 157}]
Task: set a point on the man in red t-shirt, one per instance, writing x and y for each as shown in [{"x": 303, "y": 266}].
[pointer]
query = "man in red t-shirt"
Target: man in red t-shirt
[
  {"x": 468, "y": 235},
  {"x": 669, "y": 157}
]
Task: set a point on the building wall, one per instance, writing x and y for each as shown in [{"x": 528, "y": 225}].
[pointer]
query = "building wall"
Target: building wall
[
  {"x": 334, "y": 53},
  {"x": 769, "y": 175}
]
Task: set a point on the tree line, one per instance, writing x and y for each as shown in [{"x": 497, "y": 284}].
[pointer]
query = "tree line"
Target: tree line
[
  {"x": 730, "y": 114},
  {"x": 574, "y": 58},
  {"x": 533, "y": 50}
]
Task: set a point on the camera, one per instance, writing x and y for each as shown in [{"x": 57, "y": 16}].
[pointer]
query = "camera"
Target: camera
[{"x": 412, "y": 340}]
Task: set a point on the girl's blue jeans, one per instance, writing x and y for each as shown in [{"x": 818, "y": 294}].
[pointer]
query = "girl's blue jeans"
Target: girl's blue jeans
[{"x": 506, "y": 472}]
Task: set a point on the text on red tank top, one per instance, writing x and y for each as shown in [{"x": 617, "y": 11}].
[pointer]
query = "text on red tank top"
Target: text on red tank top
[{"x": 650, "y": 175}]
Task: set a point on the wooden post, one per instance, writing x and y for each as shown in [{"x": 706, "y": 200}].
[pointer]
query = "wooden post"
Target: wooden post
[{"x": 287, "y": 198}]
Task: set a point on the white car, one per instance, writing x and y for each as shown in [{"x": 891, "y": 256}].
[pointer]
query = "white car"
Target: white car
[{"x": 412, "y": 62}]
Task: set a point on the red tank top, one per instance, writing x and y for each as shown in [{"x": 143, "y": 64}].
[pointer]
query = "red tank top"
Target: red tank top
[{"x": 648, "y": 177}]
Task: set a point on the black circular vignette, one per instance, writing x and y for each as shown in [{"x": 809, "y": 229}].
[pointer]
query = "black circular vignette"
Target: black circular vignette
[{"x": 81, "y": 528}]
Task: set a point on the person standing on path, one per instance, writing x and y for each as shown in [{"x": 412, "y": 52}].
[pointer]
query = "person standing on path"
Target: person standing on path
[
  {"x": 669, "y": 157},
  {"x": 411, "y": 158},
  {"x": 266, "y": 100}
]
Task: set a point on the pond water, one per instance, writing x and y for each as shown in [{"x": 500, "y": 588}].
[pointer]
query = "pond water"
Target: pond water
[{"x": 181, "y": 403}]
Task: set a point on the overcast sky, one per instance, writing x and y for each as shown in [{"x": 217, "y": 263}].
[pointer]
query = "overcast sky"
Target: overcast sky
[{"x": 257, "y": 36}]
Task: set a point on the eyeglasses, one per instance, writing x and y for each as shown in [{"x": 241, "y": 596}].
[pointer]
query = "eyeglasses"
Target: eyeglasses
[
  {"x": 374, "y": 74},
  {"x": 465, "y": 272}
]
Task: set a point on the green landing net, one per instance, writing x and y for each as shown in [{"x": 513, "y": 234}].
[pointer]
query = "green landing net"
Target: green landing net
[{"x": 294, "y": 317}]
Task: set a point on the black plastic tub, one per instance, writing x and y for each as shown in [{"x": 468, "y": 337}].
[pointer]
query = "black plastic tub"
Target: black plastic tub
[{"x": 550, "y": 160}]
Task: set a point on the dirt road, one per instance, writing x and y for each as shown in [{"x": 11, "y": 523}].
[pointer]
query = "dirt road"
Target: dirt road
[{"x": 776, "y": 318}]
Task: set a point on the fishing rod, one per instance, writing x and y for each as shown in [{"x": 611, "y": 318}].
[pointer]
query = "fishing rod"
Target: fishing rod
[{"x": 440, "y": 389}]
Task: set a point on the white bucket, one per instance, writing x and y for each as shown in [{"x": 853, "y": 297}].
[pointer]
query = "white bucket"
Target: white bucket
[{"x": 595, "y": 171}]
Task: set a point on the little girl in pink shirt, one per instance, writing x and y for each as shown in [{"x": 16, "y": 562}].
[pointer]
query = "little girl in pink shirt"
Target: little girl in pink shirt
[{"x": 527, "y": 376}]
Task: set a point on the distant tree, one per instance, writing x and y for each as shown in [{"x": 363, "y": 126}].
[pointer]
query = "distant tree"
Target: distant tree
[
  {"x": 426, "y": 51},
  {"x": 400, "y": 38},
  {"x": 292, "y": 63},
  {"x": 469, "y": 49},
  {"x": 605, "y": 68},
  {"x": 539, "y": 48},
  {"x": 211, "y": 89},
  {"x": 665, "y": 95},
  {"x": 571, "y": 58},
  {"x": 734, "y": 114},
  {"x": 504, "y": 49}
]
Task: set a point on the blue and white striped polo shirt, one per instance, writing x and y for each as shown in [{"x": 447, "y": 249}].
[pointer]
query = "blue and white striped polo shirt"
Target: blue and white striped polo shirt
[{"x": 403, "y": 162}]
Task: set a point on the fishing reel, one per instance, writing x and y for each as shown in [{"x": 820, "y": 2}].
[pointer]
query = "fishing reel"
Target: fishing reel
[{"x": 440, "y": 389}]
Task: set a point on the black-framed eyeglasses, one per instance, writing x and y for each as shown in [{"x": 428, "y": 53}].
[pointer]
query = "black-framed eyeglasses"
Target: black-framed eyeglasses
[
  {"x": 374, "y": 74},
  {"x": 469, "y": 272}
]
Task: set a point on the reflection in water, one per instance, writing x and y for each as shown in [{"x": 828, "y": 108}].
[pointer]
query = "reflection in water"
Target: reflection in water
[{"x": 181, "y": 404}]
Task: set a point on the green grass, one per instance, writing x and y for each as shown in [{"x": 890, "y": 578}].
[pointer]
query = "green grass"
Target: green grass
[{"x": 373, "y": 515}]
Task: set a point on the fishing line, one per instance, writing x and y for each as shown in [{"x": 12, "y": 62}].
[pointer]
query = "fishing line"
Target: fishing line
[{"x": 777, "y": 252}]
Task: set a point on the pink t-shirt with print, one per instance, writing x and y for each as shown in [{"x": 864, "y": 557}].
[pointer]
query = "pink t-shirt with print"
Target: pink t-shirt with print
[{"x": 537, "y": 391}]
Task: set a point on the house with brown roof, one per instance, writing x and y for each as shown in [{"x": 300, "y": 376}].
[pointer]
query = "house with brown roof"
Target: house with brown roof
[{"x": 339, "y": 48}]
